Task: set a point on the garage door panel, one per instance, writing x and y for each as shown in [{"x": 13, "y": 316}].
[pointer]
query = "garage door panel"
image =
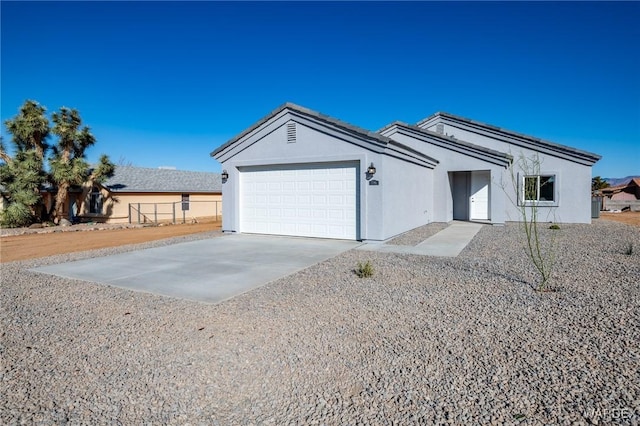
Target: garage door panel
[
  {"x": 315, "y": 201},
  {"x": 303, "y": 200},
  {"x": 336, "y": 214},
  {"x": 336, "y": 185},
  {"x": 305, "y": 213},
  {"x": 303, "y": 186}
]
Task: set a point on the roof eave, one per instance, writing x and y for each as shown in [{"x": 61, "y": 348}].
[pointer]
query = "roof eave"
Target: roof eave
[
  {"x": 297, "y": 109},
  {"x": 585, "y": 156},
  {"x": 500, "y": 156}
]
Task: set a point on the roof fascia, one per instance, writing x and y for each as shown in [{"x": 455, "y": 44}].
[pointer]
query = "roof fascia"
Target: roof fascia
[
  {"x": 514, "y": 138},
  {"x": 452, "y": 144},
  {"x": 347, "y": 131},
  {"x": 376, "y": 145}
]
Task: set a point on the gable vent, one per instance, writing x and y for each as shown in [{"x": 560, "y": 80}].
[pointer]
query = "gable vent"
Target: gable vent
[
  {"x": 440, "y": 128},
  {"x": 291, "y": 132}
]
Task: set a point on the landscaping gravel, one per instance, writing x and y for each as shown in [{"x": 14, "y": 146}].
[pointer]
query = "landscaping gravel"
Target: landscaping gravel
[
  {"x": 416, "y": 236},
  {"x": 425, "y": 340}
]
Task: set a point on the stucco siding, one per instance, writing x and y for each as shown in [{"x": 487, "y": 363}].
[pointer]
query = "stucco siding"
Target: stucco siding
[
  {"x": 311, "y": 146},
  {"x": 450, "y": 161},
  {"x": 407, "y": 196},
  {"x": 573, "y": 178},
  {"x": 384, "y": 210},
  {"x": 152, "y": 207}
]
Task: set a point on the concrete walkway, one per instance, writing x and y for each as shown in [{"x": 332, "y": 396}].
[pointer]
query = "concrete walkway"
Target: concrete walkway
[{"x": 447, "y": 243}]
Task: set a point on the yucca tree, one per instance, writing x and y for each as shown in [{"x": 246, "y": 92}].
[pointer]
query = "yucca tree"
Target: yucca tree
[
  {"x": 68, "y": 164},
  {"x": 103, "y": 170},
  {"x": 30, "y": 128},
  {"x": 22, "y": 175},
  {"x": 21, "y": 178},
  {"x": 598, "y": 183}
]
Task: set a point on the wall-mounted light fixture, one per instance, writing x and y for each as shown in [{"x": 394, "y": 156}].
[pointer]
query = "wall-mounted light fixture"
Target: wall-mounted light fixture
[
  {"x": 224, "y": 175},
  {"x": 371, "y": 170}
]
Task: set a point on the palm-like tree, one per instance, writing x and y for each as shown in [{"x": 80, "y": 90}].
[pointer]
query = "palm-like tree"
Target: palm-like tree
[
  {"x": 22, "y": 175},
  {"x": 68, "y": 164},
  {"x": 598, "y": 183},
  {"x": 30, "y": 129}
]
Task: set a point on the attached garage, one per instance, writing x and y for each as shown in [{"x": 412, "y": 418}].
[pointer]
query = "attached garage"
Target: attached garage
[
  {"x": 306, "y": 200},
  {"x": 297, "y": 172}
]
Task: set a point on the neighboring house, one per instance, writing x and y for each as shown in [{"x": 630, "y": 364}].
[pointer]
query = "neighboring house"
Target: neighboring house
[
  {"x": 137, "y": 194},
  {"x": 622, "y": 196},
  {"x": 299, "y": 172}
]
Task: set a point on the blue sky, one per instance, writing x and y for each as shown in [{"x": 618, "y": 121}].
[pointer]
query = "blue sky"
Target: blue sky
[{"x": 165, "y": 83}]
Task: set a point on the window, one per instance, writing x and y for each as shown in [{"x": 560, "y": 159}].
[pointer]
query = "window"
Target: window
[
  {"x": 95, "y": 202},
  {"x": 539, "y": 189}
]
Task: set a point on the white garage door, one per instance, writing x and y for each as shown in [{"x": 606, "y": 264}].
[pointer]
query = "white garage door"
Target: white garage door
[{"x": 306, "y": 201}]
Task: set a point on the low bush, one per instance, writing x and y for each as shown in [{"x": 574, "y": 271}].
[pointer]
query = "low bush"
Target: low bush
[
  {"x": 364, "y": 270},
  {"x": 629, "y": 250}
]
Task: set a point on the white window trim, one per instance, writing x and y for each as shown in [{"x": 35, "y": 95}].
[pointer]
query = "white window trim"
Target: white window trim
[{"x": 538, "y": 203}]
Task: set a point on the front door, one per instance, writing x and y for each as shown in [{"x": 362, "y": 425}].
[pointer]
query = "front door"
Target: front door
[{"x": 479, "y": 198}]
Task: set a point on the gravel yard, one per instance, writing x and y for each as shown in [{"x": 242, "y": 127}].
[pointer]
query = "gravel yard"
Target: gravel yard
[{"x": 426, "y": 340}]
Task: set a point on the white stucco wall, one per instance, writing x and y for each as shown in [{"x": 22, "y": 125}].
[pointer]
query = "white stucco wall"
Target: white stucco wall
[
  {"x": 573, "y": 179},
  {"x": 407, "y": 196},
  {"x": 450, "y": 161},
  {"x": 385, "y": 210}
]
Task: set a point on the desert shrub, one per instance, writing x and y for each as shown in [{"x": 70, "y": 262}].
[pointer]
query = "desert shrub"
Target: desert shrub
[
  {"x": 364, "y": 270},
  {"x": 629, "y": 250},
  {"x": 15, "y": 216}
]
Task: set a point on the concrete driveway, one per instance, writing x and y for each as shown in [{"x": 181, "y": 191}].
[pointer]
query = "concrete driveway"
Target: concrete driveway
[{"x": 207, "y": 270}]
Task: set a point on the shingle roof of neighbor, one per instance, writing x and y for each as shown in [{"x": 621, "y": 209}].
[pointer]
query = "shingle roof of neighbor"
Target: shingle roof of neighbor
[{"x": 141, "y": 179}]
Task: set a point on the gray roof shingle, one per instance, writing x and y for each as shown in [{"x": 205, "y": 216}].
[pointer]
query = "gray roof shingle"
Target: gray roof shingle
[
  {"x": 141, "y": 179},
  {"x": 588, "y": 156},
  {"x": 450, "y": 140},
  {"x": 306, "y": 111},
  {"x": 323, "y": 118}
]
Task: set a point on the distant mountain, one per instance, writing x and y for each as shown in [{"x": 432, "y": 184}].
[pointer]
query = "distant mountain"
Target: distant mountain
[{"x": 619, "y": 181}]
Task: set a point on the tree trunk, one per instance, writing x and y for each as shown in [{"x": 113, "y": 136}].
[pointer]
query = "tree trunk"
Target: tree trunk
[
  {"x": 87, "y": 187},
  {"x": 5, "y": 157},
  {"x": 62, "y": 198}
]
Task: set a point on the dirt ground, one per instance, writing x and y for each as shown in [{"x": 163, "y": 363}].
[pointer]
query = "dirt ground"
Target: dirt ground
[
  {"x": 630, "y": 218},
  {"x": 30, "y": 246}
]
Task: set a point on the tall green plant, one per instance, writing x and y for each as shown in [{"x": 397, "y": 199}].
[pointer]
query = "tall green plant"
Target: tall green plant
[
  {"x": 539, "y": 250},
  {"x": 22, "y": 175},
  {"x": 21, "y": 178},
  {"x": 68, "y": 164},
  {"x": 598, "y": 183}
]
